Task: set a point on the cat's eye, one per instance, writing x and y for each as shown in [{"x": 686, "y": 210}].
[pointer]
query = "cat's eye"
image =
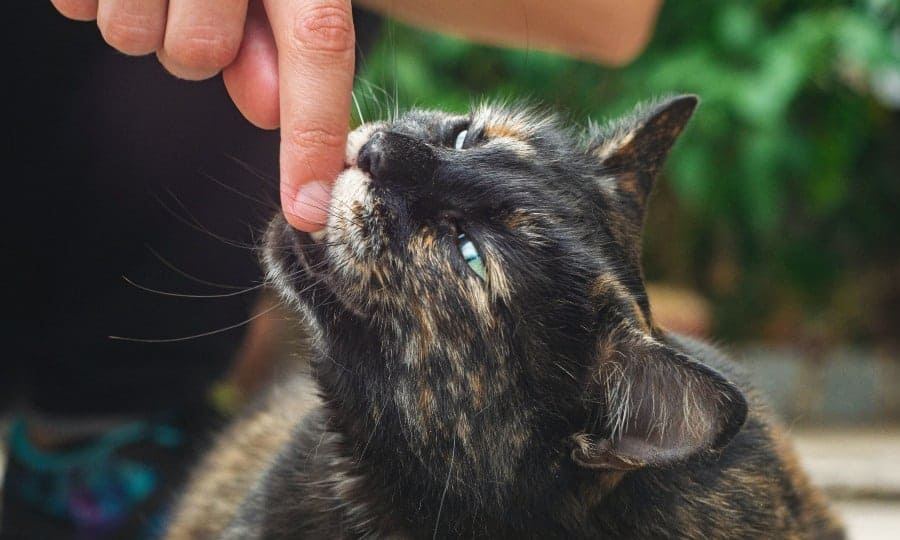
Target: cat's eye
[
  {"x": 471, "y": 255},
  {"x": 460, "y": 139}
]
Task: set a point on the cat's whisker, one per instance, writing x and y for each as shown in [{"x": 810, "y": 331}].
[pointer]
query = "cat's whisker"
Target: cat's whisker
[
  {"x": 330, "y": 212},
  {"x": 189, "y": 276},
  {"x": 201, "y": 334},
  {"x": 358, "y": 109},
  {"x": 437, "y": 520},
  {"x": 269, "y": 205},
  {"x": 195, "y": 224},
  {"x": 254, "y": 171},
  {"x": 186, "y": 295}
]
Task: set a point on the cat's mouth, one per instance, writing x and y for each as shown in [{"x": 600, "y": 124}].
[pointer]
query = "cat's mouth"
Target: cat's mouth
[
  {"x": 342, "y": 256},
  {"x": 310, "y": 248},
  {"x": 336, "y": 258}
]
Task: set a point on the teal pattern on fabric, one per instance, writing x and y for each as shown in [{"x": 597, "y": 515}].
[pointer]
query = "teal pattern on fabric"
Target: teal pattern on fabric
[{"x": 90, "y": 486}]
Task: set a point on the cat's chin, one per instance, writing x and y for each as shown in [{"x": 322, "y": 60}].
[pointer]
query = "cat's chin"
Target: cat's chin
[{"x": 290, "y": 258}]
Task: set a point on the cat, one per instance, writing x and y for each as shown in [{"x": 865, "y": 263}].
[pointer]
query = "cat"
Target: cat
[{"x": 486, "y": 360}]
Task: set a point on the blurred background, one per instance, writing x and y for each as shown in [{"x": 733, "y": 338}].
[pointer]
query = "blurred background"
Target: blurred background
[{"x": 775, "y": 228}]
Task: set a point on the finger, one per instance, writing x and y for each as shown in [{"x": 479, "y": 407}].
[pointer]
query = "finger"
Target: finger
[
  {"x": 80, "y": 10},
  {"x": 202, "y": 36},
  {"x": 252, "y": 79},
  {"x": 132, "y": 26},
  {"x": 315, "y": 72}
]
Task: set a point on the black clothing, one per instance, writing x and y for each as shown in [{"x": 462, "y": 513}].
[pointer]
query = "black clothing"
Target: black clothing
[{"x": 114, "y": 170}]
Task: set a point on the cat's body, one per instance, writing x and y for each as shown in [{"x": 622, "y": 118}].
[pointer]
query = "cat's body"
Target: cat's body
[{"x": 487, "y": 361}]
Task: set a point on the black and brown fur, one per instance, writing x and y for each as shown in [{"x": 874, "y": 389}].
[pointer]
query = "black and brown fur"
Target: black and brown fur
[{"x": 539, "y": 402}]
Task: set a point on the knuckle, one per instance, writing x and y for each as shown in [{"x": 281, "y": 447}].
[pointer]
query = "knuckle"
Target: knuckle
[
  {"x": 316, "y": 138},
  {"x": 201, "y": 48},
  {"x": 130, "y": 34},
  {"x": 326, "y": 27}
]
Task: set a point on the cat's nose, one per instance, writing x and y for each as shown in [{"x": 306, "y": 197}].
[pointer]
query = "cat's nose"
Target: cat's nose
[
  {"x": 395, "y": 157},
  {"x": 371, "y": 155}
]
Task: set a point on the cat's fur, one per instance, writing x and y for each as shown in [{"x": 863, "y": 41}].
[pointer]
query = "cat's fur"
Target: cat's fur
[{"x": 539, "y": 402}]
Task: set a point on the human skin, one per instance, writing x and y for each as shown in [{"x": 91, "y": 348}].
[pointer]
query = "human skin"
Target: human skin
[{"x": 289, "y": 64}]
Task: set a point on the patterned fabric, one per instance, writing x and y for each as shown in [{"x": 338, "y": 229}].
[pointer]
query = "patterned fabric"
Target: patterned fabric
[{"x": 91, "y": 486}]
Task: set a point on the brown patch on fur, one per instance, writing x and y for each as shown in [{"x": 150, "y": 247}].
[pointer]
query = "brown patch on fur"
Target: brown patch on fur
[
  {"x": 600, "y": 484},
  {"x": 425, "y": 336},
  {"x": 463, "y": 430},
  {"x": 426, "y": 399},
  {"x": 608, "y": 481},
  {"x": 505, "y": 131},
  {"x": 510, "y": 137},
  {"x": 476, "y": 389},
  {"x": 629, "y": 183},
  {"x": 606, "y": 287},
  {"x": 517, "y": 219},
  {"x": 428, "y": 238},
  {"x": 531, "y": 224}
]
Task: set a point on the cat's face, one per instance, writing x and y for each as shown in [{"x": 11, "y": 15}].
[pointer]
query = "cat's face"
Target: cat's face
[
  {"x": 473, "y": 270},
  {"x": 444, "y": 227},
  {"x": 455, "y": 217}
]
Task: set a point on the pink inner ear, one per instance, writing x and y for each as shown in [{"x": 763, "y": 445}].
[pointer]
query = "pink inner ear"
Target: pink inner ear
[
  {"x": 660, "y": 405},
  {"x": 671, "y": 411},
  {"x": 651, "y": 454}
]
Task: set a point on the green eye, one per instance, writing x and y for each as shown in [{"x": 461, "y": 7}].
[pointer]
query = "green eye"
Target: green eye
[{"x": 472, "y": 256}]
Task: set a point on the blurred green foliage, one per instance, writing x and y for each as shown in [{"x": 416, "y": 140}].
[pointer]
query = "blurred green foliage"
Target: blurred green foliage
[{"x": 782, "y": 201}]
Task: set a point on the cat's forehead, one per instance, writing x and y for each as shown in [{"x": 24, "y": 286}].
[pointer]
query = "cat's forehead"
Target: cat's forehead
[
  {"x": 499, "y": 120},
  {"x": 492, "y": 119}
]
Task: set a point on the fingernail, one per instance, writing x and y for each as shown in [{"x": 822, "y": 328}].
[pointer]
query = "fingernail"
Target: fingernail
[{"x": 312, "y": 202}]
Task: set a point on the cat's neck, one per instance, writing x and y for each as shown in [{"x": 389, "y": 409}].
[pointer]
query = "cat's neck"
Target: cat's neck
[
  {"x": 449, "y": 460},
  {"x": 388, "y": 495}
]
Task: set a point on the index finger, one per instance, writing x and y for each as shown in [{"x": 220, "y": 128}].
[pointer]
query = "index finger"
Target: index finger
[{"x": 315, "y": 43}]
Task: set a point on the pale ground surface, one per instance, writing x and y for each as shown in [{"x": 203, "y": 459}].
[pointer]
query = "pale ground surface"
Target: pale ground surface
[
  {"x": 871, "y": 520},
  {"x": 860, "y": 468},
  {"x": 859, "y": 462}
]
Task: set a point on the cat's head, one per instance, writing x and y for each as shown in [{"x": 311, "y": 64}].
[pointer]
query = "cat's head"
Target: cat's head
[{"x": 478, "y": 289}]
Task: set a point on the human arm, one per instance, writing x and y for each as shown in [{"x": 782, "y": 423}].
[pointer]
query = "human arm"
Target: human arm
[{"x": 605, "y": 31}]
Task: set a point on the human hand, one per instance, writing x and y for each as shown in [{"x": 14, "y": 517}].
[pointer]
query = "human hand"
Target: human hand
[{"x": 284, "y": 62}]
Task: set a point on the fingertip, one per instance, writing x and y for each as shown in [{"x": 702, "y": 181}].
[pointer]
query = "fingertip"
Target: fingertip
[
  {"x": 308, "y": 209},
  {"x": 79, "y": 10},
  {"x": 181, "y": 71},
  {"x": 301, "y": 224}
]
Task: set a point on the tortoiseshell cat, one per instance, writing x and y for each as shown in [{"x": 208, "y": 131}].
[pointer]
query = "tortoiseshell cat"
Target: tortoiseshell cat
[{"x": 488, "y": 365}]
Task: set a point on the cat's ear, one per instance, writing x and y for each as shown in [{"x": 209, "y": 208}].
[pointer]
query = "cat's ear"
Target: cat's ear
[
  {"x": 631, "y": 151},
  {"x": 653, "y": 406}
]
